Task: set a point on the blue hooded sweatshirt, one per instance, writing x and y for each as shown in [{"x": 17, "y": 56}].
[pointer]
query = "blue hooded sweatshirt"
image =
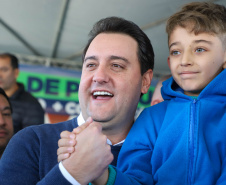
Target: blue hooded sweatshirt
[{"x": 179, "y": 141}]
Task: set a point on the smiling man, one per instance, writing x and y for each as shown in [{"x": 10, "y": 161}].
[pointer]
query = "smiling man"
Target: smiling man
[
  {"x": 110, "y": 83},
  {"x": 117, "y": 69},
  {"x": 6, "y": 123}
]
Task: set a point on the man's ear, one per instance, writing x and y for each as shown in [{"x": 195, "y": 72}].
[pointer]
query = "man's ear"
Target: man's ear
[
  {"x": 16, "y": 73},
  {"x": 168, "y": 61},
  {"x": 146, "y": 81}
]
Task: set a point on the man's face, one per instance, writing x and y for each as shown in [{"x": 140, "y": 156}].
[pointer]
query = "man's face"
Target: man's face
[
  {"x": 111, "y": 81},
  {"x": 8, "y": 75},
  {"x": 6, "y": 123},
  {"x": 195, "y": 60}
]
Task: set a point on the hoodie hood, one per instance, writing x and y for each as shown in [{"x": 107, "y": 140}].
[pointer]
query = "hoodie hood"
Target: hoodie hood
[{"x": 216, "y": 89}]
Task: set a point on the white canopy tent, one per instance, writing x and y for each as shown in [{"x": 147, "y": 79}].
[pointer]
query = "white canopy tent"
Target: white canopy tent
[{"x": 54, "y": 32}]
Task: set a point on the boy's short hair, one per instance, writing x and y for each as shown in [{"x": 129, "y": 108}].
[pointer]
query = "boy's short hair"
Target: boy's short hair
[{"x": 200, "y": 17}]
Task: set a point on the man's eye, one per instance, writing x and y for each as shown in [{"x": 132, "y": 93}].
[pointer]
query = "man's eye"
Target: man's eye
[
  {"x": 199, "y": 50},
  {"x": 6, "y": 114},
  {"x": 117, "y": 66},
  {"x": 4, "y": 69},
  {"x": 90, "y": 65}
]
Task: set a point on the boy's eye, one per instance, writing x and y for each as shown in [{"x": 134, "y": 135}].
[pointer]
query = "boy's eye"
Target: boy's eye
[
  {"x": 199, "y": 50},
  {"x": 175, "y": 53}
]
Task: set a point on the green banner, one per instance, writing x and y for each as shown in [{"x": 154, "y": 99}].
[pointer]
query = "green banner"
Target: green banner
[{"x": 55, "y": 84}]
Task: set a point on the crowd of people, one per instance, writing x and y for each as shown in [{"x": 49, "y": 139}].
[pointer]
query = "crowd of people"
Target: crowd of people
[
  {"x": 179, "y": 139},
  {"x": 19, "y": 109},
  {"x": 27, "y": 110}
]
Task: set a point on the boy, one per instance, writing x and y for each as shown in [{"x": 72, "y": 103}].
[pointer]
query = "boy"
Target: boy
[{"x": 182, "y": 140}]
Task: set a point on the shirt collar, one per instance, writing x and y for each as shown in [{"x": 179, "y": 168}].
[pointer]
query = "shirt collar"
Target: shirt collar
[{"x": 80, "y": 119}]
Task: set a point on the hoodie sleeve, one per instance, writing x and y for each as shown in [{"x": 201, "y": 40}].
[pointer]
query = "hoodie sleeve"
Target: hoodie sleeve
[{"x": 134, "y": 163}]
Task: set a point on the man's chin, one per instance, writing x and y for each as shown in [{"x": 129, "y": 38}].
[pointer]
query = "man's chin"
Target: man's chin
[{"x": 102, "y": 119}]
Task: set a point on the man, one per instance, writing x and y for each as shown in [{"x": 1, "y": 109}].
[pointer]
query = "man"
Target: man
[
  {"x": 157, "y": 96},
  {"x": 6, "y": 123},
  {"x": 117, "y": 69},
  {"x": 26, "y": 109}
]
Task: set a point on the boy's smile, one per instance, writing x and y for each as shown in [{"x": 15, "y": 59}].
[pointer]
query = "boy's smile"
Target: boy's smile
[{"x": 195, "y": 60}]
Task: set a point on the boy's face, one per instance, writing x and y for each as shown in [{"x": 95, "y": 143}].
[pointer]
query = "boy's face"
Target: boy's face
[{"x": 195, "y": 60}]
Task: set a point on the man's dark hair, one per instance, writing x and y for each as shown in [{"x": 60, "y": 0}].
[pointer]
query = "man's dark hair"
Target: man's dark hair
[
  {"x": 13, "y": 59},
  {"x": 120, "y": 25},
  {"x": 2, "y": 92}
]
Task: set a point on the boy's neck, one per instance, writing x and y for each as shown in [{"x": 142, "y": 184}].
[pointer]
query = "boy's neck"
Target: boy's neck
[{"x": 195, "y": 94}]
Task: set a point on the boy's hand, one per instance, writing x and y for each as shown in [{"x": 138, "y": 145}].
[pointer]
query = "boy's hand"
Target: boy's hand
[
  {"x": 68, "y": 141},
  {"x": 66, "y": 145},
  {"x": 103, "y": 179},
  {"x": 91, "y": 157}
]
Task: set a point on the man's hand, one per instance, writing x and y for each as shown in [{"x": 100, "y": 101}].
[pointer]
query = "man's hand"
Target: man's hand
[
  {"x": 68, "y": 141},
  {"x": 92, "y": 155}
]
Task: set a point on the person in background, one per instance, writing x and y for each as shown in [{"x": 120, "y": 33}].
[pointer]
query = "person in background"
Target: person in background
[
  {"x": 117, "y": 69},
  {"x": 181, "y": 140},
  {"x": 157, "y": 96},
  {"x": 26, "y": 108},
  {"x": 6, "y": 122}
]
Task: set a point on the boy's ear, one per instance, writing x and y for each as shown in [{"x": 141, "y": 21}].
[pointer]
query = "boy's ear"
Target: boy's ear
[
  {"x": 224, "y": 65},
  {"x": 168, "y": 61},
  {"x": 146, "y": 81}
]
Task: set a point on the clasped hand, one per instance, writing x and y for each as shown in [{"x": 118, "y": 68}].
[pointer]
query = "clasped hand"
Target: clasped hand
[{"x": 84, "y": 153}]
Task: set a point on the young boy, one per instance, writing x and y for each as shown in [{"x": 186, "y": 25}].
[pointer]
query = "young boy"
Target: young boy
[{"x": 183, "y": 139}]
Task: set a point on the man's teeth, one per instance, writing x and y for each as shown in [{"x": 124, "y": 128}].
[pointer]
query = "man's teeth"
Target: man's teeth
[{"x": 102, "y": 93}]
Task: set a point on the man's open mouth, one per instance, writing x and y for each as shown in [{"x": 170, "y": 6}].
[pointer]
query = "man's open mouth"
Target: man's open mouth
[{"x": 102, "y": 94}]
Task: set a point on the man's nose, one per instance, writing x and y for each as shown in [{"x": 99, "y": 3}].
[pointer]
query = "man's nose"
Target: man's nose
[
  {"x": 101, "y": 75},
  {"x": 2, "y": 120}
]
